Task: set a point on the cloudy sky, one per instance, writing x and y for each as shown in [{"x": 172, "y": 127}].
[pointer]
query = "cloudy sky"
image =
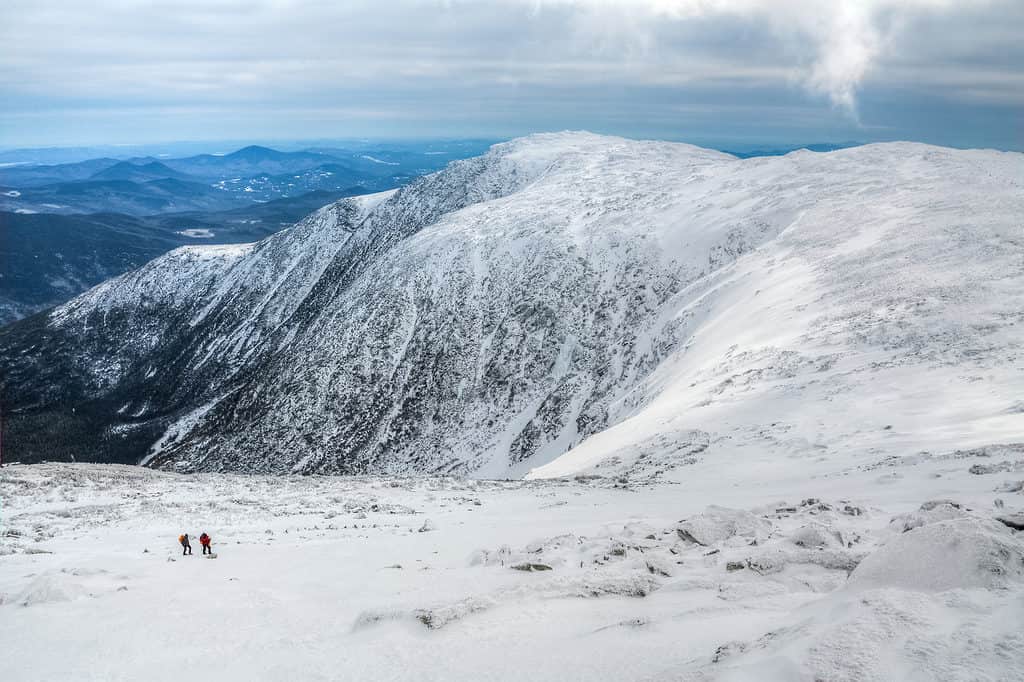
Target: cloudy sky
[{"x": 712, "y": 71}]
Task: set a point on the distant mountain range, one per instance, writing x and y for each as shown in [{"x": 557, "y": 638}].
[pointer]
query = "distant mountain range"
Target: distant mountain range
[
  {"x": 212, "y": 181},
  {"x": 249, "y": 161},
  {"x": 67, "y": 227}
]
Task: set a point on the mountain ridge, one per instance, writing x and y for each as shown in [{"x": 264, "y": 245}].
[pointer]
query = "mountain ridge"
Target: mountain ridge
[
  {"x": 140, "y": 172},
  {"x": 485, "y": 319},
  {"x": 50, "y": 258}
]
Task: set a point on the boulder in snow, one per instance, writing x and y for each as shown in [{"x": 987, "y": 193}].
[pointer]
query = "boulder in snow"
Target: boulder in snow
[
  {"x": 1014, "y": 521},
  {"x": 1011, "y": 487},
  {"x": 717, "y": 524},
  {"x": 930, "y": 512},
  {"x": 946, "y": 555},
  {"x": 531, "y": 567},
  {"x": 814, "y": 536}
]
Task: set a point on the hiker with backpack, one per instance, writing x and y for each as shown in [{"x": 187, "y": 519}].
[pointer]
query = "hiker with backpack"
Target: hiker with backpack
[
  {"x": 186, "y": 547},
  {"x": 204, "y": 540}
]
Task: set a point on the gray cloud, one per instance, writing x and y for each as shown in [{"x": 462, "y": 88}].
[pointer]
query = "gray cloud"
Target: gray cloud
[{"x": 280, "y": 67}]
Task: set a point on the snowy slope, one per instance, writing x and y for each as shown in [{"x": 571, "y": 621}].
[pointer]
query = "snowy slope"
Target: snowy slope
[
  {"x": 566, "y": 303},
  {"x": 886, "y": 323},
  {"x": 332, "y": 578}
]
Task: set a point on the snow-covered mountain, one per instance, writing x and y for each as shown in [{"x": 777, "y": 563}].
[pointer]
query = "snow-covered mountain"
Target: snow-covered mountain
[{"x": 566, "y": 303}]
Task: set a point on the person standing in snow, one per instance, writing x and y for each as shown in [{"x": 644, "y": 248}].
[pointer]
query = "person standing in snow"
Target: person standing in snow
[
  {"x": 186, "y": 547},
  {"x": 204, "y": 540}
]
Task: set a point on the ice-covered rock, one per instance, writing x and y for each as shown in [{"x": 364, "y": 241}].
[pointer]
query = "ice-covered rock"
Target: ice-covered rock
[
  {"x": 814, "y": 535},
  {"x": 997, "y": 467},
  {"x": 437, "y": 617},
  {"x": 930, "y": 512},
  {"x": 945, "y": 555},
  {"x": 659, "y": 565},
  {"x": 1014, "y": 521},
  {"x": 434, "y": 617},
  {"x": 599, "y": 585},
  {"x": 717, "y": 524},
  {"x": 559, "y": 542},
  {"x": 776, "y": 559}
]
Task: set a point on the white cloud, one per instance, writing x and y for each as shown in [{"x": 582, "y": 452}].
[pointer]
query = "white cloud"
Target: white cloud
[{"x": 845, "y": 37}]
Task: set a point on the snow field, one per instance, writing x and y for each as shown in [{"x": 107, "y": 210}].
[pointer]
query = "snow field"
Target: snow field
[{"x": 377, "y": 578}]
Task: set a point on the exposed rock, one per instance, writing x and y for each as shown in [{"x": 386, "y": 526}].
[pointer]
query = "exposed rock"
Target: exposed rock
[
  {"x": 932, "y": 504},
  {"x": 526, "y": 566},
  {"x": 728, "y": 649},
  {"x": 657, "y": 566},
  {"x": 1014, "y": 521},
  {"x": 998, "y": 467}
]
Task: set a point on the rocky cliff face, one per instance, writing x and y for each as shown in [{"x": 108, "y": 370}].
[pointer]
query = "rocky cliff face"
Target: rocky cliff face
[{"x": 488, "y": 318}]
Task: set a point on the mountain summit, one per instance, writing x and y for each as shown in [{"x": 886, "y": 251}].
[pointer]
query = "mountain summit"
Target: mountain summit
[
  {"x": 565, "y": 303},
  {"x": 256, "y": 153},
  {"x": 141, "y": 172}
]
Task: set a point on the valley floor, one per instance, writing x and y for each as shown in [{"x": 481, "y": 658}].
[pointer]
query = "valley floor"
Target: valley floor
[{"x": 322, "y": 578}]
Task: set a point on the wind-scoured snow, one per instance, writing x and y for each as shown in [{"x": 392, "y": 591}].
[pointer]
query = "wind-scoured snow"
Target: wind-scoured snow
[{"x": 885, "y": 321}]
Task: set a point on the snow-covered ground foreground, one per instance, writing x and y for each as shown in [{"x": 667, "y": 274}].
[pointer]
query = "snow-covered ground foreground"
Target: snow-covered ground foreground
[{"x": 835, "y": 575}]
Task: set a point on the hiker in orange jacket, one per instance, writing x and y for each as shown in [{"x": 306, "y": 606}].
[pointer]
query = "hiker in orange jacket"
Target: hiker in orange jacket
[
  {"x": 204, "y": 540},
  {"x": 186, "y": 546}
]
